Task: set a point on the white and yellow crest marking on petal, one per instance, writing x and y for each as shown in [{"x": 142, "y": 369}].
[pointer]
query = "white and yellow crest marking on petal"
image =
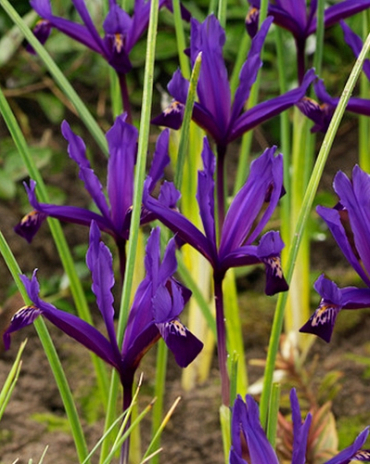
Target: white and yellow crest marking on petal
[
  {"x": 118, "y": 42},
  {"x": 175, "y": 327},
  {"x": 325, "y": 314},
  {"x": 275, "y": 264},
  {"x": 362, "y": 455},
  {"x": 174, "y": 107}
]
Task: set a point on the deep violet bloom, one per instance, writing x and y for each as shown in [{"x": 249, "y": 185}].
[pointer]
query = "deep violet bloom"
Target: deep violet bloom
[
  {"x": 349, "y": 223},
  {"x": 113, "y": 218},
  {"x": 121, "y": 32},
  {"x": 322, "y": 113},
  {"x": 240, "y": 228},
  {"x": 155, "y": 311},
  {"x": 300, "y": 19},
  {"x": 214, "y": 112},
  {"x": 243, "y": 223},
  {"x": 246, "y": 428}
]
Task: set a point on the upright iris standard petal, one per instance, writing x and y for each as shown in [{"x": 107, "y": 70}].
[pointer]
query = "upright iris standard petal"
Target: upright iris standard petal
[
  {"x": 214, "y": 112},
  {"x": 245, "y": 423},
  {"x": 355, "y": 198},
  {"x": 266, "y": 174},
  {"x": 300, "y": 431},
  {"x": 180, "y": 225},
  {"x": 213, "y": 85},
  {"x": 157, "y": 305},
  {"x": 160, "y": 158},
  {"x": 77, "y": 151},
  {"x": 116, "y": 27},
  {"x": 158, "y": 302},
  {"x": 115, "y": 214},
  {"x": 206, "y": 192},
  {"x": 99, "y": 261},
  {"x": 122, "y": 144},
  {"x": 240, "y": 228},
  {"x": 249, "y": 71}
]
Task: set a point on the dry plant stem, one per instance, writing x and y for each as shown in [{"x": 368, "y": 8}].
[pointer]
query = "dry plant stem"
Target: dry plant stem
[{"x": 221, "y": 340}]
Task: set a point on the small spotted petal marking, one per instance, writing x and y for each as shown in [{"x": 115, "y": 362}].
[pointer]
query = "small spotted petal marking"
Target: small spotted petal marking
[
  {"x": 324, "y": 315},
  {"x": 174, "y": 107},
  {"x": 118, "y": 42},
  {"x": 176, "y": 328},
  {"x": 275, "y": 264},
  {"x": 30, "y": 218},
  {"x": 362, "y": 455},
  {"x": 26, "y": 312}
]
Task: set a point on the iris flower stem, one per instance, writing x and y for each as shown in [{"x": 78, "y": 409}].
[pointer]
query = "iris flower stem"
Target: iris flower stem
[
  {"x": 127, "y": 399},
  {"x": 121, "y": 245},
  {"x": 125, "y": 98},
  {"x": 220, "y": 186},
  {"x": 221, "y": 339},
  {"x": 301, "y": 224},
  {"x": 300, "y": 60}
]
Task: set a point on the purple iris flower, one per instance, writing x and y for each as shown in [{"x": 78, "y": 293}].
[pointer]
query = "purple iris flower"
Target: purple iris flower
[
  {"x": 240, "y": 228},
  {"x": 321, "y": 114},
  {"x": 301, "y": 20},
  {"x": 223, "y": 119},
  {"x": 247, "y": 429},
  {"x": 349, "y": 223},
  {"x": 113, "y": 218},
  {"x": 121, "y": 32},
  {"x": 243, "y": 223},
  {"x": 155, "y": 311}
]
